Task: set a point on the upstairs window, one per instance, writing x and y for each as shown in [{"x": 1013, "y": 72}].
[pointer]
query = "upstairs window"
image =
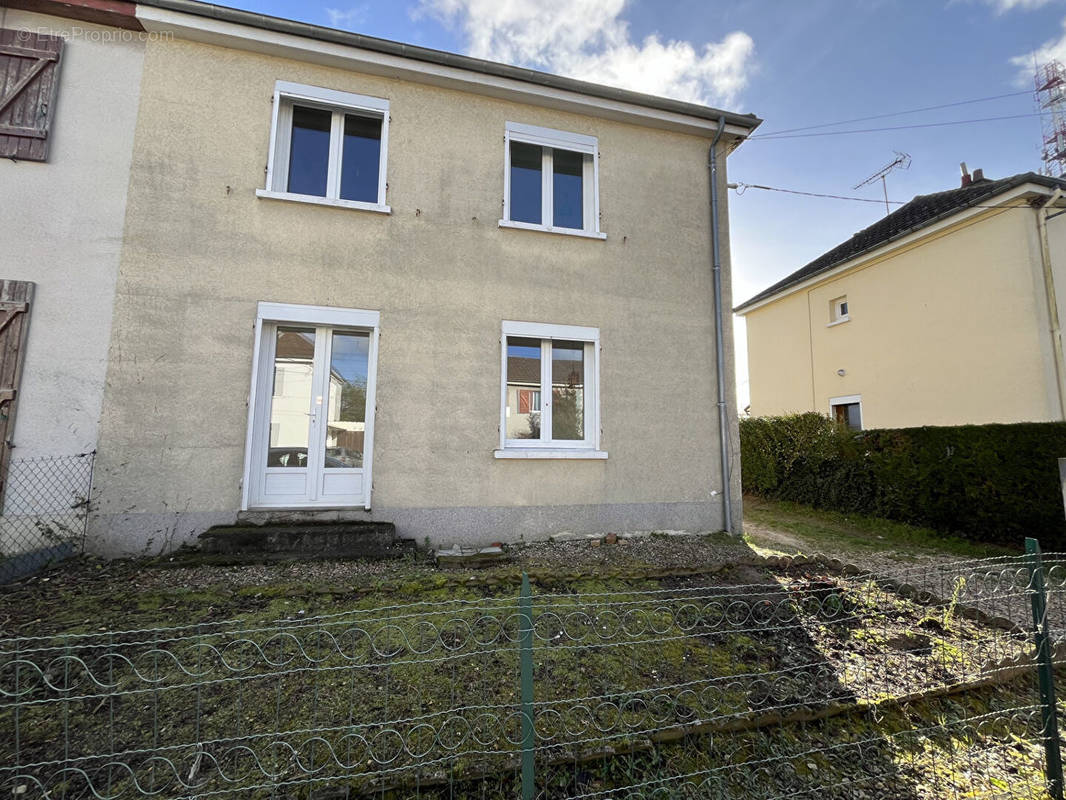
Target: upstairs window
[
  {"x": 838, "y": 310},
  {"x": 551, "y": 181},
  {"x": 328, "y": 147}
]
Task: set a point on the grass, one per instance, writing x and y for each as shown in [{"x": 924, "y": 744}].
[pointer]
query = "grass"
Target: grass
[{"x": 825, "y": 531}]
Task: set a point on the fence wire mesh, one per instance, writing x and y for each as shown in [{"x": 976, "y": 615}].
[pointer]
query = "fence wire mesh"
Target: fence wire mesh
[
  {"x": 45, "y": 511},
  {"x": 800, "y": 678}
]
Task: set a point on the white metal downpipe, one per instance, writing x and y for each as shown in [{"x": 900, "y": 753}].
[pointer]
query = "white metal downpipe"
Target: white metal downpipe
[{"x": 719, "y": 332}]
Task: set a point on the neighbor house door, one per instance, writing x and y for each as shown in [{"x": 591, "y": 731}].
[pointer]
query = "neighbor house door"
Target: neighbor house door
[{"x": 312, "y": 412}]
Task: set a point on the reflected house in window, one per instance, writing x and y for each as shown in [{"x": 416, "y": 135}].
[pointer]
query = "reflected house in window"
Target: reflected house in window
[
  {"x": 293, "y": 390},
  {"x": 346, "y": 413},
  {"x": 295, "y": 349},
  {"x": 526, "y": 388}
]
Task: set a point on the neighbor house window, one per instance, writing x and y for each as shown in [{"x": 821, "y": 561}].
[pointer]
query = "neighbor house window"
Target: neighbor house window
[
  {"x": 838, "y": 310},
  {"x": 847, "y": 411},
  {"x": 551, "y": 181},
  {"x": 328, "y": 147},
  {"x": 550, "y": 392}
]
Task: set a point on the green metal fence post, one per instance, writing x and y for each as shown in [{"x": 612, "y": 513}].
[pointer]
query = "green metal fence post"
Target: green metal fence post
[
  {"x": 1045, "y": 671},
  {"x": 525, "y": 656}
]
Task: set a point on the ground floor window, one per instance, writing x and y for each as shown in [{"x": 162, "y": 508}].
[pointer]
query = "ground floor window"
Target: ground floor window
[
  {"x": 550, "y": 389},
  {"x": 847, "y": 411}
]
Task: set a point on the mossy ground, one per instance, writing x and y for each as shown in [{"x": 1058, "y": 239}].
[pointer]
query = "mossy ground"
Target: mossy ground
[{"x": 836, "y": 639}]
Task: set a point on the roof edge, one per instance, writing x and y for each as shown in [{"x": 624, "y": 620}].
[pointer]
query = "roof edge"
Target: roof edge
[{"x": 442, "y": 58}]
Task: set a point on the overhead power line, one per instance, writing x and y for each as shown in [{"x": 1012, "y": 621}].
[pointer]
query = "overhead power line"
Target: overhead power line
[
  {"x": 890, "y": 114},
  {"x": 741, "y": 187},
  {"x": 769, "y": 137}
]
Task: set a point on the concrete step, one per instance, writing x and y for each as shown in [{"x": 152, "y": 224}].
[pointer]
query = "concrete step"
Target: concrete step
[{"x": 307, "y": 540}]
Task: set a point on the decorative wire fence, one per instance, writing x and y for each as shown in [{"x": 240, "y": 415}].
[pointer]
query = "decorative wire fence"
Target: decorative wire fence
[
  {"x": 45, "y": 511},
  {"x": 798, "y": 678}
]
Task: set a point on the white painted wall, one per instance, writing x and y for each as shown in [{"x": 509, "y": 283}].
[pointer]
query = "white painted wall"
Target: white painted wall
[{"x": 61, "y": 227}]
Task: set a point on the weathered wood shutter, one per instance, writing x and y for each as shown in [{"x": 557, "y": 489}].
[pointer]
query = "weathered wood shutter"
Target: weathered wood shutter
[
  {"x": 29, "y": 78},
  {"x": 15, "y": 299}
]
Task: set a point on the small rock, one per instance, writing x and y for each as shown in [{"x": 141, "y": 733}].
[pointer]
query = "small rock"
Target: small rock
[
  {"x": 611, "y": 538},
  {"x": 594, "y": 543}
]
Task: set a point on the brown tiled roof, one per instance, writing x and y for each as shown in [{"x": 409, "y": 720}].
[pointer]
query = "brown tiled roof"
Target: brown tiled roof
[{"x": 922, "y": 211}]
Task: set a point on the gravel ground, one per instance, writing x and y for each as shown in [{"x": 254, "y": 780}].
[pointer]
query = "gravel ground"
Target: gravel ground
[{"x": 35, "y": 599}]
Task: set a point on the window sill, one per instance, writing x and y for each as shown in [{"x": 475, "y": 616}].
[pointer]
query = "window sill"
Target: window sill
[
  {"x": 529, "y": 226},
  {"x": 357, "y": 205},
  {"x": 836, "y": 322},
  {"x": 544, "y": 452}
]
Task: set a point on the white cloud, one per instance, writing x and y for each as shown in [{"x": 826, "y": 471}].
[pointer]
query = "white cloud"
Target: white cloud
[
  {"x": 1053, "y": 49},
  {"x": 347, "y": 17},
  {"x": 587, "y": 39},
  {"x": 1003, "y": 6}
]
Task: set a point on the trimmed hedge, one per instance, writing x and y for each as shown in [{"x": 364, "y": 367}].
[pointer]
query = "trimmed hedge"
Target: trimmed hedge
[{"x": 991, "y": 483}]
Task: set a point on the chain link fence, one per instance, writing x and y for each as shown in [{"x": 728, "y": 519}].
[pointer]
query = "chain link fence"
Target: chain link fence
[
  {"x": 788, "y": 678},
  {"x": 45, "y": 512}
]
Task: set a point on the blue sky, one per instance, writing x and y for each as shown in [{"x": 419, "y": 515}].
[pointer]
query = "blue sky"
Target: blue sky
[{"x": 794, "y": 64}]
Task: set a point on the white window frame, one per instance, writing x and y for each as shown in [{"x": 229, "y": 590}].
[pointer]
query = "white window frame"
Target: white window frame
[
  {"x": 340, "y": 103},
  {"x": 836, "y": 317},
  {"x": 548, "y": 139},
  {"x": 846, "y": 400},
  {"x": 258, "y": 436},
  {"x": 589, "y": 447}
]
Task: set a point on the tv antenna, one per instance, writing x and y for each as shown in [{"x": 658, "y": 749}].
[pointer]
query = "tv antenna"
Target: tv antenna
[{"x": 901, "y": 161}]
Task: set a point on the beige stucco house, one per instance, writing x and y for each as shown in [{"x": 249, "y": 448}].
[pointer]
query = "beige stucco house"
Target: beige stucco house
[
  {"x": 945, "y": 312},
  {"x": 335, "y": 252}
]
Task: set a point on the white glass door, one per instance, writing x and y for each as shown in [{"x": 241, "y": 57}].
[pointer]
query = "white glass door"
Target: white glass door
[{"x": 313, "y": 419}]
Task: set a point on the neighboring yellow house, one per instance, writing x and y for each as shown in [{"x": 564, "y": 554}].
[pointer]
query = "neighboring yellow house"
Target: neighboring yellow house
[{"x": 945, "y": 312}]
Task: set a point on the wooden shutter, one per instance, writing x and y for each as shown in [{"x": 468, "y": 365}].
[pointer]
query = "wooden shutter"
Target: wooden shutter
[
  {"x": 525, "y": 398},
  {"x": 15, "y": 299},
  {"x": 29, "y": 77}
]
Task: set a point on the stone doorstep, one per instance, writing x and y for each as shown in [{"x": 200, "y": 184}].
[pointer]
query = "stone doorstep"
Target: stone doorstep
[{"x": 306, "y": 540}]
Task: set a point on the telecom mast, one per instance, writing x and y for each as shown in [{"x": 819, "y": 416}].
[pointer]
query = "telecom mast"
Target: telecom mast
[{"x": 1050, "y": 83}]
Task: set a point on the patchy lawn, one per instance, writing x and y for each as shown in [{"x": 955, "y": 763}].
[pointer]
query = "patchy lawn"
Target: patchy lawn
[
  {"x": 785, "y": 527},
  {"x": 695, "y": 637}
]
